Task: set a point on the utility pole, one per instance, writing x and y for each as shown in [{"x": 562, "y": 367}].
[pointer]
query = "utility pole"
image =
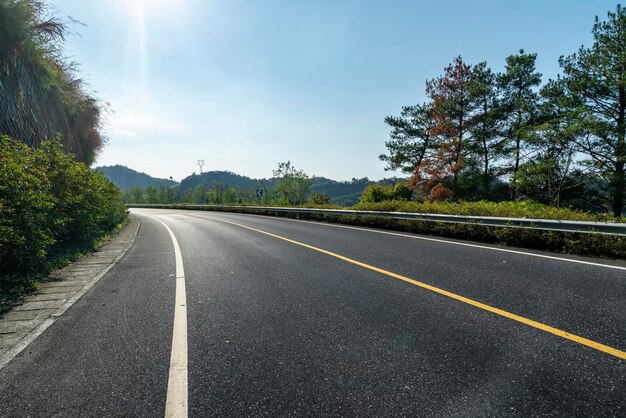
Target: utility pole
[{"x": 200, "y": 164}]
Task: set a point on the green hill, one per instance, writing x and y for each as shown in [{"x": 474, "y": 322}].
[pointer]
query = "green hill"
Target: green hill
[
  {"x": 211, "y": 178},
  {"x": 126, "y": 178}
]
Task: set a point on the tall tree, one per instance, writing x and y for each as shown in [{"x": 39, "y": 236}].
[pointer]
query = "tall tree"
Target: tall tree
[
  {"x": 451, "y": 111},
  {"x": 519, "y": 98},
  {"x": 292, "y": 184},
  {"x": 549, "y": 174},
  {"x": 486, "y": 143},
  {"x": 218, "y": 192},
  {"x": 596, "y": 76},
  {"x": 200, "y": 194},
  {"x": 411, "y": 139}
]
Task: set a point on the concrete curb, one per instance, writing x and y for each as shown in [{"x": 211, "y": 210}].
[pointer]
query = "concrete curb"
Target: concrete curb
[{"x": 25, "y": 322}]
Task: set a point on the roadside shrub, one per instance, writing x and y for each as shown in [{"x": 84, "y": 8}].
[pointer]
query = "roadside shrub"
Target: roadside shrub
[
  {"x": 401, "y": 191},
  {"x": 320, "y": 199},
  {"x": 87, "y": 204},
  {"x": 49, "y": 204},
  {"x": 26, "y": 209},
  {"x": 509, "y": 209},
  {"x": 439, "y": 193},
  {"x": 376, "y": 193}
]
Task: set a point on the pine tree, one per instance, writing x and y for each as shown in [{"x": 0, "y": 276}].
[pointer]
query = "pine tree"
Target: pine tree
[
  {"x": 519, "y": 100},
  {"x": 411, "y": 138},
  {"x": 486, "y": 143},
  {"x": 450, "y": 95},
  {"x": 548, "y": 174},
  {"x": 596, "y": 77}
]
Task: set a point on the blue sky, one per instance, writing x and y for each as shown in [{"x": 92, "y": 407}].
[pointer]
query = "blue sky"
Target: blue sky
[{"x": 245, "y": 85}]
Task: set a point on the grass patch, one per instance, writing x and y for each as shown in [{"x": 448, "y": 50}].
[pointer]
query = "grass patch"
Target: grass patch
[{"x": 521, "y": 209}]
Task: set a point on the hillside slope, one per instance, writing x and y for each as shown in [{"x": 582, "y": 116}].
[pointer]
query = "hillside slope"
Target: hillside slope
[
  {"x": 126, "y": 178},
  {"x": 211, "y": 178},
  {"x": 41, "y": 93}
]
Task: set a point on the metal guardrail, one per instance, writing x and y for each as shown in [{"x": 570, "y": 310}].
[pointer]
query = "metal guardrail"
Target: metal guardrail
[{"x": 610, "y": 228}]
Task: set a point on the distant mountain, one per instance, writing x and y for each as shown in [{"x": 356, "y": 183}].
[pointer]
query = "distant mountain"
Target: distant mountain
[
  {"x": 126, "y": 178},
  {"x": 341, "y": 192},
  {"x": 210, "y": 178}
]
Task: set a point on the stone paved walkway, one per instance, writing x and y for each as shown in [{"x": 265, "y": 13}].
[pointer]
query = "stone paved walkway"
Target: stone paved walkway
[{"x": 24, "y": 322}]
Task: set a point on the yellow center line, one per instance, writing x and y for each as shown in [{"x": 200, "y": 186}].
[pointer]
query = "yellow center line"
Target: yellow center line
[{"x": 555, "y": 331}]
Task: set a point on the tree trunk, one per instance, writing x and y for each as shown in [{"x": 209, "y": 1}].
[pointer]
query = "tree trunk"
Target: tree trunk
[
  {"x": 618, "y": 196},
  {"x": 518, "y": 144},
  {"x": 458, "y": 153},
  {"x": 423, "y": 151},
  {"x": 486, "y": 168},
  {"x": 485, "y": 149},
  {"x": 516, "y": 167},
  {"x": 620, "y": 153}
]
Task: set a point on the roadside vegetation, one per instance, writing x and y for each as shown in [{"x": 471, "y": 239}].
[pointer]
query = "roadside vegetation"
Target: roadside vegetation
[
  {"x": 486, "y": 135},
  {"x": 522, "y": 209},
  {"x": 41, "y": 92},
  {"x": 52, "y": 210},
  {"x": 53, "y": 207}
]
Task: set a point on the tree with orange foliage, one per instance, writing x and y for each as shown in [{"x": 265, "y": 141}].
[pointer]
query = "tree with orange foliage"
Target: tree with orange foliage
[{"x": 451, "y": 107}]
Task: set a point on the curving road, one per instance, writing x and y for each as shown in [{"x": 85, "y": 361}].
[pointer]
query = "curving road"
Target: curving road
[{"x": 289, "y": 318}]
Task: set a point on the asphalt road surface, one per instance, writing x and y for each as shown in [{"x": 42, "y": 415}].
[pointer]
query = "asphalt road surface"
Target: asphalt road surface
[{"x": 280, "y": 317}]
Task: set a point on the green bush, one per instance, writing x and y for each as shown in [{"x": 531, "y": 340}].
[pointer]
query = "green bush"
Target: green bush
[
  {"x": 318, "y": 199},
  {"x": 49, "y": 205},
  {"x": 88, "y": 205},
  {"x": 26, "y": 209},
  {"x": 376, "y": 193}
]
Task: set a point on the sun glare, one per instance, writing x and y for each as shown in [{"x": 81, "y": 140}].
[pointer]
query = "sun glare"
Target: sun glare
[
  {"x": 142, "y": 15},
  {"x": 151, "y": 7}
]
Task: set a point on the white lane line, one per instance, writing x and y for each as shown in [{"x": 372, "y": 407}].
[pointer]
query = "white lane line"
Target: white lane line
[
  {"x": 176, "y": 402},
  {"x": 463, "y": 244}
]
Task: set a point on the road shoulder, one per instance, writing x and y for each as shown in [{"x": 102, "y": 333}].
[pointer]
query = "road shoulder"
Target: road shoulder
[{"x": 26, "y": 321}]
